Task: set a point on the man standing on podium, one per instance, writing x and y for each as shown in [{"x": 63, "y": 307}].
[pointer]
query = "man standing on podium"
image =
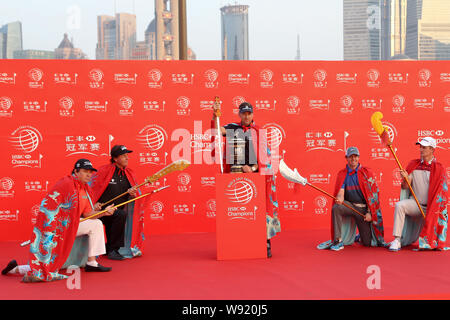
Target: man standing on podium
[{"x": 243, "y": 156}]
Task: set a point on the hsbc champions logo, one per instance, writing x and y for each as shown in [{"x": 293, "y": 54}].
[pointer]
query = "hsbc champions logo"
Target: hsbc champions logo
[
  {"x": 66, "y": 106},
  {"x": 424, "y": 103},
  {"x": 292, "y": 78},
  {"x": 35, "y": 76},
  {"x": 211, "y": 77},
  {"x": 293, "y": 105},
  {"x": 34, "y": 213},
  {"x": 374, "y": 104},
  {"x": 126, "y": 106},
  {"x": 66, "y": 78},
  {"x": 373, "y": 78},
  {"x": 424, "y": 78},
  {"x": 96, "y": 77},
  {"x": 398, "y": 77},
  {"x": 6, "y": 187},
  {"x": 447, "y": 103},
  {"x": 238, "y": 78},
  {"x": 125, "y": 78},
  {"x": 211, "y": 208},
  {"x": 346, "y": 78},
  {"x": 321, "y": 204},
  {"x": 275, "y": 136},
  {"x": 26, "y": 140},
  {"x": 442, "y": 141},
  {"x": 154, "y": 105},
  {"x": 183, "y": 78},
  {"x": 8, "y": 78},
  {"x": 396, "y": 178},
  {"x": 154, "y": 77},
  {"x": 398, "y": 104},
  {"x": 183, "y": 104},
  {"x": 293, "y": 205},
  {"x": 152, "y": 138},
  {"x": 184, "y": 182},
  {"x": 35, "y": 106},
  {"x": 320, "y": 78},
  {"x": 241, "y": 192},
  {"x": 346, "y": 104},
  {"x": 266, "y": 77},
  {"x": 156, "y": 210},
  {"x": 6, "y": 107},
  {"x": 236, "y": 102}
]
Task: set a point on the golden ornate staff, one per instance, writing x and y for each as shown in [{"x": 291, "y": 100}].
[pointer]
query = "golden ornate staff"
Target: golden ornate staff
[
  {"x": 384, "y": 136},
  {"x": 124, "y": 203},
  {"x": 179, "y": 165},
  {"x": 217, "y": 113}
]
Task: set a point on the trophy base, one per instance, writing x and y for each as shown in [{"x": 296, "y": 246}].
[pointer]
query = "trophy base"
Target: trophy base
[{"x": 236, "y": 169}]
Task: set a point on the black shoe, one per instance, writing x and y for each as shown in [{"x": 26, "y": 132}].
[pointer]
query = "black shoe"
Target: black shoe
[
  {"x": 99, "y": 268},
  {"x": 269, "y": 249},
  {"x": 11, "y": 265},
  {"x": 115, "y": 255}
]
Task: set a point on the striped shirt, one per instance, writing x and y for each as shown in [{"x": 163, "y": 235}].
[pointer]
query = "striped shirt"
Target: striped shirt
[{"x": 353, "y": 192}]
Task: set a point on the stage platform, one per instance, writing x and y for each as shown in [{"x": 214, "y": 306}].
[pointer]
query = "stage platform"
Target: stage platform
[{"x": 184, "y": 267}]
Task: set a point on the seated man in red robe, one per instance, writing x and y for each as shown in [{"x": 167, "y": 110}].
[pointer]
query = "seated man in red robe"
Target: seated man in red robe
[
  {"x": 428, "y": 180},
  {"x": 124, "y": 229},
  {"x": 357, "y": 187},
  {"x": 57, "y": 225}
]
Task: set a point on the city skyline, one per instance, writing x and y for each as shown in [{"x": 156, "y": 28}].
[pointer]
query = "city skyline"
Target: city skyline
[{"x": 291, "y": 19}]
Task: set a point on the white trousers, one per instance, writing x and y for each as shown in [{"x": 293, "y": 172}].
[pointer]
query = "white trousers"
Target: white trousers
[
  {"x": 402, "y": 208},
  {"x": 94, "y": 229}
]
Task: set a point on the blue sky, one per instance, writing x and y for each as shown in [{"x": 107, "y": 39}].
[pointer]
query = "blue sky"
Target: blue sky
[{"x": 273, "y": 24}]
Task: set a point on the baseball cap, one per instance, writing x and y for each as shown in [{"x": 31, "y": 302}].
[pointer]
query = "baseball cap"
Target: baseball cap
[
  {"x": 352, "y": 151},
  {"x": 118, "y": 150},
  {"x": 245, "y": 107},
  {"x": 84, "y": 164},
  {"x": 427, "y": 142}
]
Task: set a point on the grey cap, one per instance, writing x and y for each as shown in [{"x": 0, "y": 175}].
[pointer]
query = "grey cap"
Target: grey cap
[{"x": 352, "y": 151}]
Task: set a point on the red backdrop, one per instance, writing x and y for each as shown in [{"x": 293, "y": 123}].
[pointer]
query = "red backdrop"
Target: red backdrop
[{"x": 54, "y": 112}]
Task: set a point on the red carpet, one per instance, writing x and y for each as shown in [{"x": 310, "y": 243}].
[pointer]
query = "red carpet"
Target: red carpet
[{"x": 184, "y": 267}]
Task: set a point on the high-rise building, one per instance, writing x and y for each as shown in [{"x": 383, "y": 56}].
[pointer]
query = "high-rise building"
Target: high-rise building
[
  {"x": 116, "y": 36},
  {"x": 397, "y": 30},
  {"x": 34, "y": 54},
  {"x": 150, "y": 39},
  {"x": 167, "y": 30},
  {"x": 66, "y": 50},
  {"x": 428, "y": 29},
  {"x": 364, "y": 24},
  {"x": 298, "y": 56},
  {"x": 10, "y": 39},
  {"x": 235, "y": 43},
  {"x": 106, "y": 38}
]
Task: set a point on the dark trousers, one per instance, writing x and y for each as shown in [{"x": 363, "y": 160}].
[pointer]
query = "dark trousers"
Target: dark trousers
[
  {"x": 115, "y": 229},
  {"x": 339, "y": 212}
]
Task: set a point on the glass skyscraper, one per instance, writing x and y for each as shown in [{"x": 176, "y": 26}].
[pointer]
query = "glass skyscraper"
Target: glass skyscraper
[
  {"x": 428, "y": 29},
  {"x": 10, "y": 39},
  {"x": 235, "y": 32}
]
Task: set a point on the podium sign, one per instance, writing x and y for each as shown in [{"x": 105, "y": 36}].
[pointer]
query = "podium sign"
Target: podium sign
[{"x": 241, "y": 216}]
